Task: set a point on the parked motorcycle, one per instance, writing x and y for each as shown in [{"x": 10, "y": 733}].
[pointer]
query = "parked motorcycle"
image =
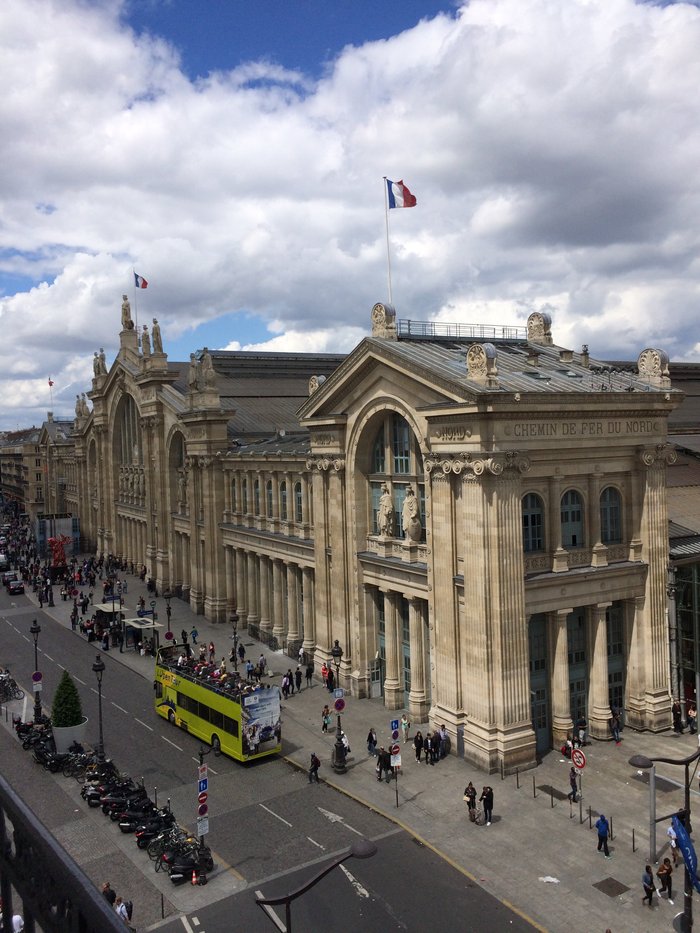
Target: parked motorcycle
[
  {"x": 147, "y": 831},
  {"x": 182, "y": 868}
]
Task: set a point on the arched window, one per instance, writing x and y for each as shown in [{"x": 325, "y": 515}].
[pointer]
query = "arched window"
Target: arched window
[
  {"x": 572, "y": 520},
  {"x": 256, "y": 497},
  {"x": 283, "y": 502},
  {"x": 298, "y": 504},
  {"x": 395, "y": 461},
  {"x": 244, "y": 495},
  {"x": 268, "y": 499},
  {"x": 234, "y": 501},
  {"x": 533, "y": 523},
  {"x": 610, "y": 516}
]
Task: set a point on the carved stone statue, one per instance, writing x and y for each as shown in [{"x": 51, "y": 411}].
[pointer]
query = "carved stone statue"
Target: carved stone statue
[
  {"x": 145, "y": 342},
  {"x": 127, "y": 323},
  {"x": 78, "y": 407},
  {"x": 208, "y": 374},
  {"x": 96, "y": 364},
  {"x": 385, "y": 515},
  {"x": 410, "y": 516},
  {"x": 157, "y": 339},
  {"x": 103, "y": 362},
  {"x": 193, "y": 373},
  {"x": 182, "y": 487},
  {"x": 84, "y": 410}
]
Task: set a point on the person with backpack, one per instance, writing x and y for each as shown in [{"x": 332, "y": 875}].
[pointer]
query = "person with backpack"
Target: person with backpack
[
  {"x": 124, "y": 910},
  {"x": 313, "y": 768},
  {"x": 603, "y": 828}
]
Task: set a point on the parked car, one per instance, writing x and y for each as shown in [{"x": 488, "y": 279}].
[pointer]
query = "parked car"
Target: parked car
[
  {"x": 7, "y": 576},
  {"x": 14, "y": 587}
]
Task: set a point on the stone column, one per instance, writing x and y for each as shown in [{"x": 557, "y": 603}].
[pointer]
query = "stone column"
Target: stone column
[
  {"x": 265, "y": 581},
  {"x": 598, "y": 697},
  {"x": 417, "y": 701},
  {"x": 230, "y": 580},
  {"x": 278, "y": 626},
  {"x": 241, "y": 602},
  {"x": 293, "y": 633},
  {"x": 559, "y": 676},
  {"x": 252, "y": 591},
  {"x": 307, "y": 589},
  {"x": 393, "y": 686}
]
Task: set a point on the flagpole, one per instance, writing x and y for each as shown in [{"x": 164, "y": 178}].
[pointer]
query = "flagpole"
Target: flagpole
[
  {"x": 388, "y": 253},
  {"x": 136, "y": 300}
]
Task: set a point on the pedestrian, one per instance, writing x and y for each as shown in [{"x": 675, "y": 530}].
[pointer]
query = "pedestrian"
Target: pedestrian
[
  {"x": 17, "y": 923},
  {"x": 109, "y": 893},
  {"x": 673, "y": 842},
  {"x": 443, "y": 740},
  {"x": 386, "y": 764},
  {"x": 330, "y": 681},
  {"x": 372, "y": 742},
  {"x": 614, "y": 723},
  {"x": 346, "y": 743},
  {"x": 298, "y": 678},
  {"x": 380, "y": 759},
  {"x": 648, "y": 885},
  {"x": 120, "y": 640},
  {"x": 418, "y": 744},
  {"x": 677, "y": 717},
  {"x": 470, "y": 797},
  {"x": 309, "y": 674},
  {"x": 290, "y": 678},
  {"x": 212, "y": 652},
  {"x": 581, "y": 726},
  {"x": 301, "y": 656},
  {"x": 692, "y": 716},
  {"x": 573, "y": 782},
  {"x": 426, "y": 747},
  {"x": 487, "y": 800},
  {"x": 405, "y": 727},
  {"x": 313, "y": 768},
  {"x": 325, "y": 718},
  {"x": 183, "y": 635},
  {"x": 194, "y": 634},
  {"x": 285, "y": 686},
  {"x": 249, "y": 666},
  {"x": 202, "y": 654},
  {"x": 435, "y": 747},
  {"x": 324, "y": 674},
  {"x": 241, "y": 652},
  {"x": 262, "y": 664},
  {"x": 603, "y": 828},
  {"x": 665, "y": 876}
]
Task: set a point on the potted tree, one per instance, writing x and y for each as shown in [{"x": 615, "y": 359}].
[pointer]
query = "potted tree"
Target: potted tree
[{"x": 67, "y": 718}]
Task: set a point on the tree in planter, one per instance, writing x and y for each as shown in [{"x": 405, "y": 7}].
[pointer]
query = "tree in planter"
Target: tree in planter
[{"x": 67, "y": 709}]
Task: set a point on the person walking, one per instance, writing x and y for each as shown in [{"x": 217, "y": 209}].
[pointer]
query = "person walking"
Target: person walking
[
  {"x": 677, "y": 716},
  {"x": 314, "y": 765},
  {"x": 603, "y": 828},
  {"x": 309, "y": 674},
  {"x": 372, "y": 742},
  {"x": 418, "y": 744},
  {"x": 241, "y": 652},
  {"x": 665, "y": 876},
  {"x": 487, "y": 800},
  {"x": 385, "y": 759},
  {"x": 194, "y": 634},
  {"x": 330, "y": 680},
  {"x": 648, "y": 885},
  {"x": 573, "y": 782},
  {"x": 325, "y": 718},
  {"x": 298, "y": 678},
  {"x": 470, "y": 797},
  {"x": 673, "y": 842},
  {"x": 183, "y": 636},
  {"x": 324, "y": 674},
  {"x": 692, "y": 716},
  {"x": 212, "y": 652},
  {"x": 109, "y": 894},
  {"x": 405, "y": 727},
  {"x": 615, "y": 725},
  {"x": 426, "y": 747}
]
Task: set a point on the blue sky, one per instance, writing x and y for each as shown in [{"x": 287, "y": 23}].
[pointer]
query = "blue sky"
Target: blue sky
[{"x": 233, "y": 154}]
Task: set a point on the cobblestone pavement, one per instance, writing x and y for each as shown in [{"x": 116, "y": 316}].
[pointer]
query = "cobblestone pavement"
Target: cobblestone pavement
[{"x": 539, "y": 855}]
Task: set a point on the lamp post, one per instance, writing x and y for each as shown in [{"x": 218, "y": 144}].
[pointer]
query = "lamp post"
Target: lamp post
[
  {"x": 339, "y": 749},
  {"x": 363, "y": 848},
  {"x": 99, "y": 669},
  {"x": 167, "y": 596},
  {"x": 34, "y": 631},
  {"x": 234, "y": 637},
  {"x": 644, "y": 763}
]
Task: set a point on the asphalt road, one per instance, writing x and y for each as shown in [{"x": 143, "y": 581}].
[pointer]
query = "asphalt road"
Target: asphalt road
[{"x": 269, "y": 829}]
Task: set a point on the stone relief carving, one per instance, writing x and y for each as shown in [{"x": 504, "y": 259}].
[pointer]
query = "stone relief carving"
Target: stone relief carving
[
  {"x": 539, "y": 327},
  {"x": 315, "y": 383},
  {"x": 653, "y": 364},
  {"x": 494, "y": 464},
  {"x": 383, "y": 321}
]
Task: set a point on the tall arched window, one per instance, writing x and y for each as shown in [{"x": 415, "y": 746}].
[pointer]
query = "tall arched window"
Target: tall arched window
[
  {"x": 395, "y": 461},
  {"x": 268, "y": 499},
  {"x": 283, "y": 502},
  {"x": 572, "y": 520},
  {"x": 533, "y": 523},
  {"x": 244, "y": 496},
  {"x": 256, "y": 497},
  {"x": 610, "y": 516},
  {"x": 298, "y": 504},
  {"x": 234, "y": 500}
]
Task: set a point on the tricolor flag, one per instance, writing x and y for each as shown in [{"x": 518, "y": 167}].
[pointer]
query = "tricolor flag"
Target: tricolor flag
[
  {"x": 399, "y": 195},
  {"x": 50, "y": 381},
  {"x": 140, "y": 282}
]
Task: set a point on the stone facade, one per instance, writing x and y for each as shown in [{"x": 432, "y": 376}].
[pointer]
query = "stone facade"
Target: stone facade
[{"x": 514, "y": 580}]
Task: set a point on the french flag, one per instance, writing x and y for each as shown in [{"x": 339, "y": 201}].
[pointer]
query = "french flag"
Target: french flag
[
  {"x": 140, "y": 282},
  {"x": 399, "y": 195}
]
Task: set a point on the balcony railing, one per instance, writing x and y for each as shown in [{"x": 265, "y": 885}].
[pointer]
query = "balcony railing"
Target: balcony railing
[
  {"x": 55, "y": 894},
  {"x": 432, "y": 330}
]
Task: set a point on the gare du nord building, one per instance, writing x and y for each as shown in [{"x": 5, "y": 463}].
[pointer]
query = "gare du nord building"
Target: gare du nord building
[{"x": 479, "y": 519}]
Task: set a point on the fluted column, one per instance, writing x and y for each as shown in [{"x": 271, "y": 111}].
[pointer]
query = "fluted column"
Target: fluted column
[
  {"x": 393, "y": 688},
  {"x": 230, "y": 575},
  {"x": 252, "y": 589},
  {"x": 293, "y": 634},
  {"x": 265, "y": 618},
  {"x": 598, "y": 697},
  {"x": 241, "y": 602},
  {"x": 559, "y": 675},
  {"x": 307, "y": 589},
  {"x": 417, "y": 700},
  {"x": 278, "y": 626}
]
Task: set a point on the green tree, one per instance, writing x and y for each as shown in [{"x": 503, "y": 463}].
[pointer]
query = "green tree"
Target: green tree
[{"x": 67, "y": 709}]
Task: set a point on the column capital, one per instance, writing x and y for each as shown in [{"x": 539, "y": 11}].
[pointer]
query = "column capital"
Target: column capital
[{"x": 494, "y": 464}]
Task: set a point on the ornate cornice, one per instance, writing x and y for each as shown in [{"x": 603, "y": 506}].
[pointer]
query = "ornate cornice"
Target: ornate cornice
[
  {"x": 324, "y": 464},
  {"x": 495, "y": 464}
]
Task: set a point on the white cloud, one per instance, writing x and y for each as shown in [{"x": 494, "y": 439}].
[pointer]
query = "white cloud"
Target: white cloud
[{"x": 552, "y": 147}]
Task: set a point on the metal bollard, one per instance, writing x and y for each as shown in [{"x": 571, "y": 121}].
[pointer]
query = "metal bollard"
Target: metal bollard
[
  {"x": 634, "y": 848},
  {"x": 534, "y": 789},
  {"x": 612, "y": 834},
  {"x": 551, "y": 795},
  {"x": 590, "y": 819},
  {"x": 571, "y": 809},
  {"x": 580, "y": 810},
  {"x": 502, "y": 774},
  {"x": 517, "y": 778}
]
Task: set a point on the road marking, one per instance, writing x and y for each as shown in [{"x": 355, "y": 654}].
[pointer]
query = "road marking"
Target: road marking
[
  {"x": 359, "y": 890},
  {"x": 120, "y": 707},
  {"x": 271, "y": 914},
  {"x": 275, "y": 814},
  {"x": 172, "y": 743},
  {"x": 145, "y": 724},
  {"x": 316, "y": 843},
  {"x": 209, "y": 766},
  {"x": 336, "y": 818},
  {"x": 82, "y": 682},
  {"x": 48, "y": 657},
  {"x": 186, "y": 924},
  {"x": 195, "y": 921}
]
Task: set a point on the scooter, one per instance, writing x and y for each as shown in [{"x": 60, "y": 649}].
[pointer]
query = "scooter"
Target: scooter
[
  {"x": 149, "y": 830},
  {"x": 185, "y": 867},
  {"x": 130, "y": 819}
]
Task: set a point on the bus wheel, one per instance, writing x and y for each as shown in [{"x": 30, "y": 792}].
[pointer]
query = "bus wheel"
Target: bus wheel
[
  {"x": 216, "y": 744},
  {"x": 171, "y": 716}
]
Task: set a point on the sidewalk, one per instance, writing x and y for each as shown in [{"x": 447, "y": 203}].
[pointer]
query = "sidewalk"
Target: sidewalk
[{"x": 535, "y": 833}]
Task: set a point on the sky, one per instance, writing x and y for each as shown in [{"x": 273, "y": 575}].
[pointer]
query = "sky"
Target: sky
[{"x": 232, "y": 152}]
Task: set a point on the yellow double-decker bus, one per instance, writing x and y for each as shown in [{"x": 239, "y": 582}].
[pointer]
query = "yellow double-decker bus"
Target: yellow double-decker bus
[{"x": 240, "y": 719}]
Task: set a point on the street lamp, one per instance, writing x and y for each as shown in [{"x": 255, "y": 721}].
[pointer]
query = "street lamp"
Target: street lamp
[
  {"x": 34, "y": 631},
  {"x": 99, "y": 669},
  {"x": 339, "y": 750},
  {"x": 362, "y": 848},
  {"x": 644, "y": 763},
  {"x": 234, "y": 623},
  {"x": 167, "y": 596}
]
